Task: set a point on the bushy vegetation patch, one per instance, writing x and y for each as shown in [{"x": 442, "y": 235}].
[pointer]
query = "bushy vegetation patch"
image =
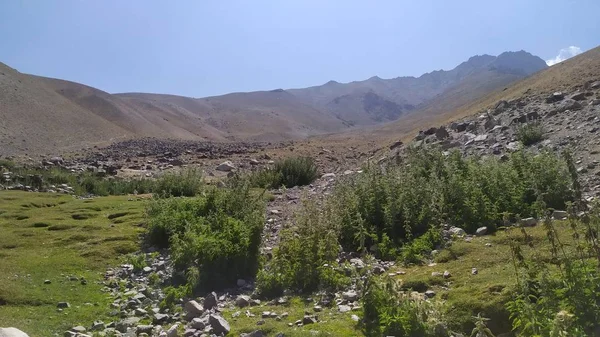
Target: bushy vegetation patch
[
  {"x": 305, "y": 258},
  {"x": 289, "y": 172},
  {"x": 560, "y": 297},
  {"x": 388, "y": 311},
  {"x": 183, "y": 183},
  {"x": 214, "y": 238},
  {"x": 386, "y": 207},
  {"x": 530, "y": 133}
]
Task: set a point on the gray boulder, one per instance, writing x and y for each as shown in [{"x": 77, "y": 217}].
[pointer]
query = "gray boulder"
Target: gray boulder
[
  {"x": 219, "y": 324},
  {"x": 226, "y": 166},
  {"x": 193, "y": 309}
]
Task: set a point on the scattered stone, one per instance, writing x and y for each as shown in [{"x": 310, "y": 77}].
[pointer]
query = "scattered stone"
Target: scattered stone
[
  {"x": 12, "y": 332},
  {"x": 355, "y": 318},
  {"x": 578, "y": 96},
  {"x": 226, "y": 166},
  {"x": 242, "y": 301},
  {"x": 210, "y": 301},
  {"x": 309, "y": 320},
  {"x": 429, "y": 293},
  {"x": 474, "y": 271},
  {"x": 219, "y": 324},
  {"x": 344, "y": 308},
  {"x": 457, "y": 231},
  {"x": 350, "y": 295},
  {"x": 560, "y": 215},
  {"x": 447, "y": 274},
  {"x": 147, "y": 329},
  {"x": 481, "y": 231},
  {"x": 199, "y": 323},
  {"x": 529, "y": 222},
  {"x": 193, "y": 309},
  {"x": 63, "y": 305}
]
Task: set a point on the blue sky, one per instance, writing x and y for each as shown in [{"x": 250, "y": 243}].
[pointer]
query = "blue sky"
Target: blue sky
[{"x": 204, "y": 47}]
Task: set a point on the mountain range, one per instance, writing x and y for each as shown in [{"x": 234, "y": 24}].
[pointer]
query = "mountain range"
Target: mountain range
[{"x": 43, "y": 115}]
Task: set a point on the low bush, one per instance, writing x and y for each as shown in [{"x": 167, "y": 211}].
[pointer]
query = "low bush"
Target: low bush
[
  {"x": 183, "y": 183},
  {"x": 213, "y": 238},
  {"x": 530, "y": 133},
  {"x": 560, "y": 298},
  {"x": 386, "y": 207},
  {"x": 303, "y": 262},
  {"x": 289, "y": 172},
  {"x": 387, "y": 311}
]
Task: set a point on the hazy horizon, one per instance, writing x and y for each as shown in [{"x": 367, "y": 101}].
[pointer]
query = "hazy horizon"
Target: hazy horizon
[{"x": 210, "y": 48}]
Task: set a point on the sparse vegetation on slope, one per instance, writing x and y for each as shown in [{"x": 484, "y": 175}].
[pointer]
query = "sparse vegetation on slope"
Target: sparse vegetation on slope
[{"x": 183, "y": 183}]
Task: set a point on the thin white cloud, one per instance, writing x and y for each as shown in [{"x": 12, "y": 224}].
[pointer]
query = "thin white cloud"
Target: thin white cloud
[{"x": 564, "y": 54}]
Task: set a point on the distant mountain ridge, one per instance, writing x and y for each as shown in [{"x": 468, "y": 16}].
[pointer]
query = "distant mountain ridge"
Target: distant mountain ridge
[{"x": 39, "y": 114}]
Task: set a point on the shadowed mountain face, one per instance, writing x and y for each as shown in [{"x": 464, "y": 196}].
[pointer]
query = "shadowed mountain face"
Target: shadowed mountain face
[{"x": 44, "y": 115}]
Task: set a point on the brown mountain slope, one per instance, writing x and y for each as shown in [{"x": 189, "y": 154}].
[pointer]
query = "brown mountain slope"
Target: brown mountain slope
[
  {"x": 34, "y": 118},
  {"x": 43, "y": 115},
  {"x": 260, "y": 115},
  {"x": 566, "y": 76},
  {"x": 474, "y": 77}
]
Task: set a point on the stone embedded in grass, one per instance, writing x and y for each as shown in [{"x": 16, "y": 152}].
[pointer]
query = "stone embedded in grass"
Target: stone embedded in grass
[
  {"x": 447, "y": 274},
  {"x": 481, "y": 231},
  {"x": 474, "y": 271},
  {"x": 242, "y": 301},
  {"x": 309, "y": 320},
  {"x": 350, "y": 295},
  {"x": 559, "y": 215},
  {"x": 344, "y": 308},
  {"x": 529, "y": 222},
  {"x": 63, "y": 305},
  {"x": 78, "y": 329},
  {"x": 429, "y": 293},
  {"x": 47, "y": 282},
  {"x": 457, "y": 231},
  {"x": 12, "y": 332},
  {"x": 256, "y": 333},
  {"x": 98, "y": 326}
]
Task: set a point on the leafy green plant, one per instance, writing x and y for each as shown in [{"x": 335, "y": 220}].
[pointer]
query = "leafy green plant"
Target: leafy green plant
[
  {"x": 388, "y": 206},
  {"x": 288, "y": 172},
  {"x": 138, "y": 261},
  {"x": 304, "y": 260},
  {"x": 387, "y": 311},
  {"x": 215, "y": 237},
  {"x": 530, "y": 133},
  {"x": 561, "y": 298}
]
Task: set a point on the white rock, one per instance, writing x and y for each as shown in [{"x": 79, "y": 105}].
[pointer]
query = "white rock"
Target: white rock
[
  {"x": 226, "y": 166},
  {"x": 12, "y": 332}
]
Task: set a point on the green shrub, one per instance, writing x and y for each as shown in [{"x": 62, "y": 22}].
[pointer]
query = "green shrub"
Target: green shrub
[
  {"x": 387, "y": 206},
  {"x": 561, "y": 298},
  {"x": 387, "y": 311},
  {"x": 289, "y": 172},
  {"x": 186, "y": 183},
  {"x": 530, "y": 133},
  {"x": 138, "y": 261},
  {"x": 215, "y": 237},
  {"x": 303, "y": 262}
]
